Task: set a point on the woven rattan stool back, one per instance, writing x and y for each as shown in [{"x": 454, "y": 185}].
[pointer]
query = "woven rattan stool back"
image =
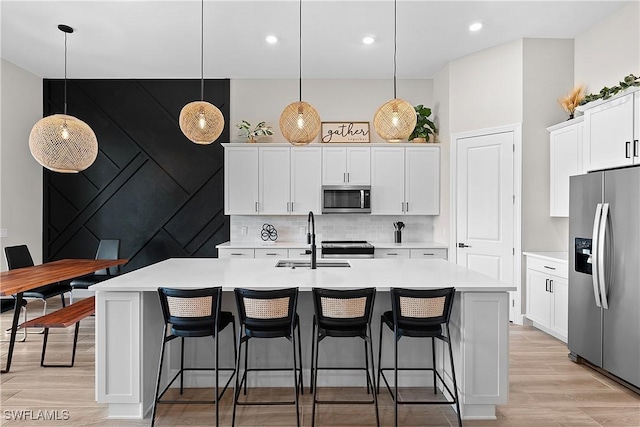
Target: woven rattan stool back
[{"x": 413, "y": 309}]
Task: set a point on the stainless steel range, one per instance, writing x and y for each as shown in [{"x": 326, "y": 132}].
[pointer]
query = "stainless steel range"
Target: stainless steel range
[{"x": 347, "y": 249}]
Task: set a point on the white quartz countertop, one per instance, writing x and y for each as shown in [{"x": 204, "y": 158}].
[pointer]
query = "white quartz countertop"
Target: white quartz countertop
[
  {"x": 262, "y": 273},
  {"x": 550, "y": 256},
  {"x": 295, "y": 245}
]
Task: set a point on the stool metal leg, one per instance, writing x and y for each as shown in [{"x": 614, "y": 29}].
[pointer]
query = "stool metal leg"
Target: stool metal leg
[
  {"x": 155, "y": 399},
  {"x": 433, "y": 360},
  {"x": 312, "y": 366},
  {"x": 295, "y": 375},
  {"x": 300, "y": 358},
  {"x": 236, "y": 389},
  {"x": 372, "y": 377},
  {"x": 215, "y": 337},
  {"x": 246, "y": 361},
  {"x": 314, "y": 356},
  {"x": 366, "y": 363},
  {"x": 181, "y": 365},
  {"x": 395, "y": 375},
  {"x": 453, "y": 376},
  {"x": 380, "y": 353}
]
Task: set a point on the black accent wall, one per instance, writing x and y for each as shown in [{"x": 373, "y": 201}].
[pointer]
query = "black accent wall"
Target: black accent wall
[{"x": 150, "y": 187}]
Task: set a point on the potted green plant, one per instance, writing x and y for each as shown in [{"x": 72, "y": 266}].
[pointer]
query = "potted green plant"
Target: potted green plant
[
  {"x": 261, "y": 129},
  {"x": 424, "y": 127}
]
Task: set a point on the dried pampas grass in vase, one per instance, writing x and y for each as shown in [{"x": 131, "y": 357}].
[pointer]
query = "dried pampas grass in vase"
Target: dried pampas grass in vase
[{"x": 571, "y": 101}]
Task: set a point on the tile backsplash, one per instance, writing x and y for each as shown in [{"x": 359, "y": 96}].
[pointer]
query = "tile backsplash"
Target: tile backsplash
[{"x": 373, "y": 228}]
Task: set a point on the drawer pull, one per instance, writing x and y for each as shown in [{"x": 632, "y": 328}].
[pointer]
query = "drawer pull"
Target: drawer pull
[
  {"x": 428, "y": 254},
  {"x": 271, "y": 254},
  {"x": 392, "y": 254},
  {"x": 236, "y": 254},
  {"x": 550, "y": 268}
]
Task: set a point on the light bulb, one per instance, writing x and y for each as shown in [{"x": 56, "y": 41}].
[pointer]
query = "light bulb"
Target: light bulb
[
  {"x": 395, "y": 120},
  {"x": 300, "y": 121},
  {"x": 202, "y": 121},
  {"x": 65, "y": 131}
]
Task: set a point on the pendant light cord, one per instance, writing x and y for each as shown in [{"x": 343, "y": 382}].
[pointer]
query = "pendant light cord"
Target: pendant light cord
[
  {"x": 65, "y": 73},
  {"x": 300, "y": 52},
  {"x": 395, "y": 46},
  {"x": 202, "y": 50}
]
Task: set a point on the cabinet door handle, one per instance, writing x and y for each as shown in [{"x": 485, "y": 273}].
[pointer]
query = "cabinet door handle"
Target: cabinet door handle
[
  {"x": 344, "y": 177},
  {"x": 237, "y": 254},
  {"x": 551, "y": 285},
  {"x": 292, "y": 207},
  {"x": 546, "y": 285},
  {"x": 256, "y": 206},
  {"x": 428, "y": 254},
  {"x": 627, "y": 147},
  {"x": 391, "y": 254},
  {"x": 348, "y": 178},
  {"x": 635, "y": 148},
  {"x": 407, "y": 203},
  {"x": 550, "y": 268},
  {"x": 271, "y": 254}
]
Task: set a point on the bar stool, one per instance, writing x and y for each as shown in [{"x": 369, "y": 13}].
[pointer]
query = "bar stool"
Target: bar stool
[
  {"x": 343, "y": 314},
  {"x": 192, "y": 314},
  {"x": 419, "y": 314},
  {"x": 267, "y": 314}
]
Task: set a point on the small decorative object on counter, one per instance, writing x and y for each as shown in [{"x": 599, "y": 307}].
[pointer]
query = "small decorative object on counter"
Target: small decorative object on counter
[
  {"x": 571, "y": 101},
  {"x": 269, "y": 232},
  {"x": 261, "y": 129},
  {"x": 397, "y": 234}
]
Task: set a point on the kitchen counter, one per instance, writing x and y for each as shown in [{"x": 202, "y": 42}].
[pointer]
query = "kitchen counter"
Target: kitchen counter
[
  {"x": 303, "y": 244},
  {"x": 562, "y": 257},
  {"x": 129, "y": 326}
]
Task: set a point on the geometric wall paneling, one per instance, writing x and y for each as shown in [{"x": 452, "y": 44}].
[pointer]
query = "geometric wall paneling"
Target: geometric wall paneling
[{"x": 150, "y": 187}]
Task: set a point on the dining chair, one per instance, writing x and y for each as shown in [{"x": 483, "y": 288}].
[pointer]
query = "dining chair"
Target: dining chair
[
  {"x": 268, "y": 314},
  {"x": 107, "y": 249},
  {"x": 20, "y": 257},
  {"x": 192, "y": 313},
  {"x": 343, "y": 314},
  {"x": 420, "y": 313}
]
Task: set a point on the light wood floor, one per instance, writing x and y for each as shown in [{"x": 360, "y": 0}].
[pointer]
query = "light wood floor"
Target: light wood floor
[{"x": 546, "y": 389}]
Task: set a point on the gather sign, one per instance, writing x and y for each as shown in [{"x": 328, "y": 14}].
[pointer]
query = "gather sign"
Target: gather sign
[{"x": 344, "y": 132}]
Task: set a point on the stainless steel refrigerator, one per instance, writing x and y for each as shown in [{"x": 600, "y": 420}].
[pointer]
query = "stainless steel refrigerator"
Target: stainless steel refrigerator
[{"x": 604, "y": 271}]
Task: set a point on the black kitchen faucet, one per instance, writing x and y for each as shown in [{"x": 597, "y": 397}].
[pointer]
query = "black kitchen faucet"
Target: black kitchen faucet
[{"x": 311, "y": 239}]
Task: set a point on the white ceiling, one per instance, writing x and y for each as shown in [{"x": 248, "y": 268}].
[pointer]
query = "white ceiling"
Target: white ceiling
[{"x": 161, "y": 39}]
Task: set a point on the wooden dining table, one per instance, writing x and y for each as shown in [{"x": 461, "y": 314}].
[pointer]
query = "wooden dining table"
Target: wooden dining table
[{"x": 16, "y": 282}]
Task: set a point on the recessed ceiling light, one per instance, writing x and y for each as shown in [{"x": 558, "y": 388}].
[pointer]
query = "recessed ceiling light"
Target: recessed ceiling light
[
  {"x": 476, "y": 26},
  {"x": 368, "y": 39},
  {"x": 271, "y": 39}
]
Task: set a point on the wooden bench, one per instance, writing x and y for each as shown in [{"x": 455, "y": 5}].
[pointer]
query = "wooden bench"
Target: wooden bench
[{"x": 62, "y": 318}]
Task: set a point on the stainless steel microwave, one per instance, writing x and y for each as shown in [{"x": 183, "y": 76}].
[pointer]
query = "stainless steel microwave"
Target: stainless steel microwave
[{"x": 346, "y": 199}]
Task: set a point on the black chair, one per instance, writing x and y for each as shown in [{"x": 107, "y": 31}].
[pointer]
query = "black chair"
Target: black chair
[
  {"x": 267, "y": 314},
  {"x": 8, "y": 304},
  {"x": 192, "y": 314},
  {"x": 107, "y": 249},
  {"x": 343, "y": 314},
  {"x": 420, "y": 314},
  {"x": 19, "y": 257}
]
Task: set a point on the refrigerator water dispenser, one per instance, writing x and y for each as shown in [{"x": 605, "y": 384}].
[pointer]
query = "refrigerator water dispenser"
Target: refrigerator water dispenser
[{"x": 583, "y": 255}]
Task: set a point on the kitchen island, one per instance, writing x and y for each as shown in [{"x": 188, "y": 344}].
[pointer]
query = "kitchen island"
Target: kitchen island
[{"x": 129, "y": 326}]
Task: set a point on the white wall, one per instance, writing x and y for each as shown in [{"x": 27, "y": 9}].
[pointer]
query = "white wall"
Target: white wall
[
  {"x": 20, "y": 175},
  {"x": 335, "y": 100},
  {"x": 441, "y": 107},
  {"x": 610, "y": 50},
  {"x": 547, "y": 75},
  {"x": 485, "y": 88}
]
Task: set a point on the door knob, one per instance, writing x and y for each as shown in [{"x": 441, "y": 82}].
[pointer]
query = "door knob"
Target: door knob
[{"x": 462, "y": 245}]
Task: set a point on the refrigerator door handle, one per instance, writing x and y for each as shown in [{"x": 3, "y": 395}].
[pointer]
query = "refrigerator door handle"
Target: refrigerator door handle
[
  {"x": 596, "y": 254},
  {"x": 601, "y": 241}
]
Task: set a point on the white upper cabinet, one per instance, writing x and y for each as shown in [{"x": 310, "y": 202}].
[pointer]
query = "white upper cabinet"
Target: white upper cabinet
[
  {"x": 565, "y": 148},
  {"x": 278, "y": 180},
  {"x": 306, "y": 180},
  {"x": 611, "y": 132},
  {"x": 405, "y": 180},
  {"x": 274, "y": 181},
  {"x": 346, "y": 166},
  {"x": 241, "y": 181},
  {"x": 422, "y": 181}
]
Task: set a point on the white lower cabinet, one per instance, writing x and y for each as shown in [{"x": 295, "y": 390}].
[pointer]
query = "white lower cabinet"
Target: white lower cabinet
[
  {"x": 392, "y": 253},
  {"x": 235, "y": 253},
  {"x": 278, "y": 253},
  {"x": 429, "y": 253},
  {"x": 298, "y": 253},
  {"x": 548, "y": 295}
]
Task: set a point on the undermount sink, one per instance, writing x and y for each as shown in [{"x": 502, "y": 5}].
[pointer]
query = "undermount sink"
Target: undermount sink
[{"x": 288, "y": 263}]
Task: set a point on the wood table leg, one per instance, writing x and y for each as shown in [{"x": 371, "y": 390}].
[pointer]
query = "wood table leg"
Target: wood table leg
[{"x": 14, "y": 330}]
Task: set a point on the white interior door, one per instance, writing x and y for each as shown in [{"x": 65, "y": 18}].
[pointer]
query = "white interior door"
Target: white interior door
[{"x": 485, "y": 204}]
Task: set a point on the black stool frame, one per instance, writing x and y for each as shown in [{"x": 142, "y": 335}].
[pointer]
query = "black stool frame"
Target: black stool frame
[
  {"x": 419, "y": 327},
  {"x": 256, "y": 327},
  {"x": 347, "y": 326},
  {"x": 193, "y": 327}
]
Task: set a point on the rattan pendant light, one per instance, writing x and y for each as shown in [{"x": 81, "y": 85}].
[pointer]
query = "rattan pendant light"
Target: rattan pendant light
[
  {"x": 395, "y": 119},
  {"x": 60, "y": 142},
  {"x": 300, "y": 122},
  {"x": 200, "y": 121}
]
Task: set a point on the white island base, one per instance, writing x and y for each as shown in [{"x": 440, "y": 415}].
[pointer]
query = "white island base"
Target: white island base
[{"x": 129, "y": 329}]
